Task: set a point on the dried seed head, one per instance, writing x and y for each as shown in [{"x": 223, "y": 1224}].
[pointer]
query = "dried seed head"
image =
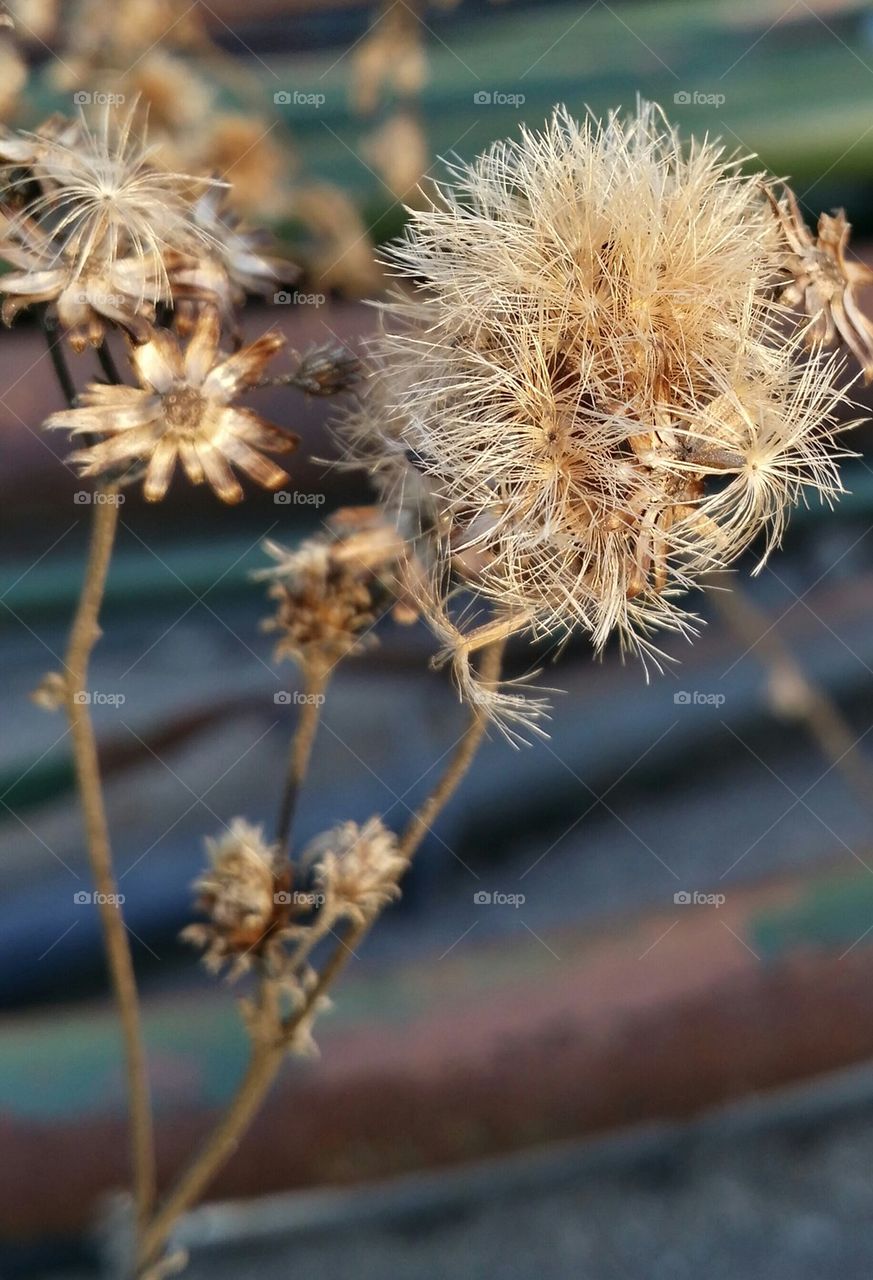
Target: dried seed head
[
  {"x": 825, "y": 281},
  {"x": 99, "y": 199},
  {"x": 357, "y": 869},
  {"x": 51, "y": 692},
  {"x": 245, "y": 894},
  {"x": 591, "y": 396},
  {"x": 236, "y": 260},
  {"x": 182, "y": 411},
  {"x": 331, "y": 590}
]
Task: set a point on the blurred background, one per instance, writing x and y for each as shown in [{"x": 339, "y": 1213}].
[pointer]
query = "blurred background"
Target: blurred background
[{"x": 620, "y": 1024}]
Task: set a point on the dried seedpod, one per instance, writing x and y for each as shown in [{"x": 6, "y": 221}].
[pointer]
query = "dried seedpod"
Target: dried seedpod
[
  {"x": 356, "y": 869},
  {"x": 590, "y": 390},
  {"x": 825, "y": 280},
  {"x": 332, "y": 589},
  {"x": 246, "y": 894}
]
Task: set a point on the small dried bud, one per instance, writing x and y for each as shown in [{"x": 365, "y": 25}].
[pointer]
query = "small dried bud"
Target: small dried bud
[
  {"x": 245, "y": 892},
  {"x": 327, "y": 371},
  {"x": 789, "y": 693},
  {"x": 331, "y": 589},
  {"x": 51, "y": 691},
  {"x": 356, "y": 868}
]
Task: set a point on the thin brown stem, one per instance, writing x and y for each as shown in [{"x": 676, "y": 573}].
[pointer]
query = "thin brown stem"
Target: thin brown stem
[
  {"x": 268, "y": 1050},
  {"x": 83, "y": 636},
  {"x": 461, "y": 759},
  {"x": 315, "y": 683}
]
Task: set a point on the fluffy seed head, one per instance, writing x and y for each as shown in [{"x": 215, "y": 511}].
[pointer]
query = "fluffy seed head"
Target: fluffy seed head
[
  {"x": 99, "y": 198},
  {"x": 357, "y": 869},
  {"x": 592, "y": 386},
  {"x": 243, "y": 892}
]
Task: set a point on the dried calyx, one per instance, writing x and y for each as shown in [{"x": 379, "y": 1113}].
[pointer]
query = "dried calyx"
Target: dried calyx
[{"x": 331, "y": 590}]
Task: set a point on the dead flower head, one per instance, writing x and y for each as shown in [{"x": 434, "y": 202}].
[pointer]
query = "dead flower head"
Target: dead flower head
[
  {"x": 182, "y": 411},
  {"x": 356, "y": 868},
  {"x": 244, "y": 892},
  {"x": 90, "y": 217},
  {"x": 591, "y": 392},
  {"x": 240, "y": 261},
  {"x": 331, "y": 589},
  {"x": 825, "y": 281}
]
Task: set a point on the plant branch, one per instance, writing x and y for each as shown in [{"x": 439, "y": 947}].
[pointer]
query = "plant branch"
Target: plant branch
[
  {"x": 108, "y": 365},
  {"x": 55, "y": 348},
  {"x": 490, "y": 665},
  {"x": 272, "y": 1036},
  {"x": 83, "y": 636},
  {"x": 315, "y": 683},
  {"x": 805, "y": 698}
]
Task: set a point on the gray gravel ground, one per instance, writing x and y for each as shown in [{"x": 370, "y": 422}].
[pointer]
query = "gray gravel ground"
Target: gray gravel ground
[{"x": 779, "y": 1188}]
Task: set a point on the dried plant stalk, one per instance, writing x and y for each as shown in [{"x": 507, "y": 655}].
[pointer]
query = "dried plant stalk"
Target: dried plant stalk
[
  {"x": 270, "y": 1033},
  {"x": 317, "y": 676},
  {"x": 83, "y": 636}
]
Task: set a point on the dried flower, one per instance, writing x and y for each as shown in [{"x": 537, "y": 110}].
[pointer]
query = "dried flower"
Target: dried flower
[
  {"x": 13, "y": 76},
  {"x": 391, "y": 56},
  {"x": 590, "y": 396},
  {"x": 238, "y": 262},
  {"x": 245, "y": 892},
  {"x": 357, "y": 869},
  {"x": 182, "y": 410},
  {"x": 97, "y": 35},
  {"x": 244, "y": 150},
  {"x": 330, "y": 589},
  {"x": 825, "y": 281},
  {"x": 398, "y": 151},
  {"x": 102, "y": 212},
  {"x": 85, "y": 300},
  {"x": 341, "y": 254}
]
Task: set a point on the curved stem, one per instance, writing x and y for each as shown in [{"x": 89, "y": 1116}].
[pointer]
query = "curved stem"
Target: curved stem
[
  {"x": 268, "y": 1051},
  {"x": 301, "y": 749},
  {"x": 83, "y": 636},
  {"x": 107, "y": 363},
  {"x": 462, "y": 757},
  {"x": 54, "y": 345}
]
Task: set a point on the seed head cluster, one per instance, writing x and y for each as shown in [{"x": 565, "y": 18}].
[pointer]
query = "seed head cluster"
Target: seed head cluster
[
  {"x": 593, "y": 384},
  {"x": 356, "y": 869}
]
